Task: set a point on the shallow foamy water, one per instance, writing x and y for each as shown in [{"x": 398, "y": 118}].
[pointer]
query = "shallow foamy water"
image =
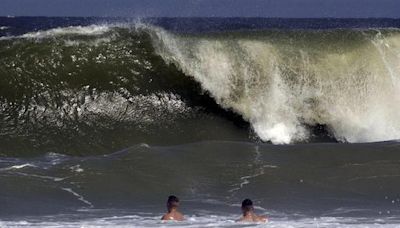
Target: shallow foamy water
[{"x": 195, "y": 221}]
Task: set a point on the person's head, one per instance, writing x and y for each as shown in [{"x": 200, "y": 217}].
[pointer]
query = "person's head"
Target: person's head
[
  {"x": 247, "y": 206},
  {"x": 172, "y": 203}
]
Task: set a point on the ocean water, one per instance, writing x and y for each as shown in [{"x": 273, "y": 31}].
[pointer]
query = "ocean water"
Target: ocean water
[{"x": 102, "y": 118}]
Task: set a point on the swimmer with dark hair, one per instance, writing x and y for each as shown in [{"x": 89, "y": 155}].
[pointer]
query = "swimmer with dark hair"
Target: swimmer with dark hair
[
  {"x": 172, "y": 207},
  {"x": 249, "y": 215}
]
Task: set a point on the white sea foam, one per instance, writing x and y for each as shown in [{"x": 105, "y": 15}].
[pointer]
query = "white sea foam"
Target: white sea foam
[
  {"x": 202, "y": 221},
  {"x": 76, "y": 168},
  {"x": 90, "y": 30},
  {"x": 55, "y": 179},
  {"x": 16, "y": 167},
  {"x": 78, "y": 196},
  {"x": 72, "y": 30},
  {"x": 353, "y": 89}
]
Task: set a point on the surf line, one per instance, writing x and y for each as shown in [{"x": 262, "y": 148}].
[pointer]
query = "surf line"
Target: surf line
[{"x": 79, "y": 197}]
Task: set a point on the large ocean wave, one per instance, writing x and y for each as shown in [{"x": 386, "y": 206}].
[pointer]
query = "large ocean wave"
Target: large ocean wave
[{"x": 283, "y": 82}]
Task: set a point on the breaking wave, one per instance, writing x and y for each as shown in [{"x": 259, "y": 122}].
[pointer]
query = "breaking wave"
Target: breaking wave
[{"x": 281, "y": 81}]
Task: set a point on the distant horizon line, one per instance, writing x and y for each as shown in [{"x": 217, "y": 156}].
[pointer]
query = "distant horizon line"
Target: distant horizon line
[{"x": 199, "y": 17}]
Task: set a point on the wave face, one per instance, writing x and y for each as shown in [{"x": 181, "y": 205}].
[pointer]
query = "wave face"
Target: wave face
[
  {"x": 96, "y": 89},
  {"x": 67, "y": 88},
  {"x": 282, "y": 81}
]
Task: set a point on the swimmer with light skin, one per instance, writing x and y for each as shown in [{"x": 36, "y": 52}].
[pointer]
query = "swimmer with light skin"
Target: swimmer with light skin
[
  {"x": 249, "y": 215},
  {"x": 172, "y": 207}
]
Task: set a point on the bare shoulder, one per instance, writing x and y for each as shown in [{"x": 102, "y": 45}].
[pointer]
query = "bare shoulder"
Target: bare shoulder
[
  {"x": 263, "y": 218},
  {"x": 180, "y": 217}
]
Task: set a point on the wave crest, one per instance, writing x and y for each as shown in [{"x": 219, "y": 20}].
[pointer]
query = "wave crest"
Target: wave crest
[{"x": 284, "y": 81}]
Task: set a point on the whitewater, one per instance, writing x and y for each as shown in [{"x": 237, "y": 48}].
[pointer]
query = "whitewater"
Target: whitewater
[{"x": 282, "y": 82}]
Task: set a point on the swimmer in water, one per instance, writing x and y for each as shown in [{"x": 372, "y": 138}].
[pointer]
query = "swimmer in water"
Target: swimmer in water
[
  {"x": 173, "y": 213},
  {"x": 248, "y": 213}
]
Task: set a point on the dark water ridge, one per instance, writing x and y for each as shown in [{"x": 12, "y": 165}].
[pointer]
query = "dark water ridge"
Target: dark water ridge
[{"x": 308, "y": 180}]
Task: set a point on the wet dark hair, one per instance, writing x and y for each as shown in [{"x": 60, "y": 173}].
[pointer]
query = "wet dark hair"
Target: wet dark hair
[
  {"x": 172, "y": 201},
  {"x": 247, "y": 205}
]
